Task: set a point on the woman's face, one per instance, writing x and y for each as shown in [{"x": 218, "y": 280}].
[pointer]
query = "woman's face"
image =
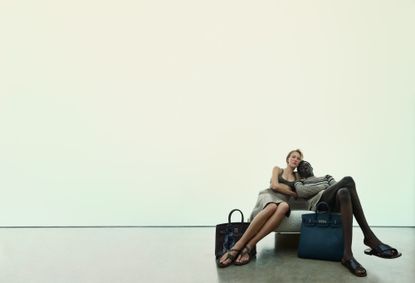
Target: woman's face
[{"x": 294, "y": 159}]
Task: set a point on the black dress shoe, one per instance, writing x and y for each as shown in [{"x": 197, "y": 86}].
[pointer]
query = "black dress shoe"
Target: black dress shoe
[{"x": 354, "y": 267}]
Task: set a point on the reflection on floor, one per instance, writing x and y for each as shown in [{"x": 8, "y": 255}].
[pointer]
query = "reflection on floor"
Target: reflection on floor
[{"x": 118, "y": 255}]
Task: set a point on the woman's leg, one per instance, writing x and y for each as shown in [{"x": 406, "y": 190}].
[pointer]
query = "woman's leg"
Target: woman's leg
[
  {"x": 256, "y": 224},
  {"x": 269, "y": 226}
]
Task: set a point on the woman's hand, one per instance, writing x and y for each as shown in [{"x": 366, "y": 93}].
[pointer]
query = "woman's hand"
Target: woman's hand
[{"x": 295, "y": 195}]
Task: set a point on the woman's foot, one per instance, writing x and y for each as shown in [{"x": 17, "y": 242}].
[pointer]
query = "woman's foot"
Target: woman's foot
[
  {"x": 244, "y": 257},
  {"x": 377, "y": 248},
  {"x": 228, "y": 258},
  {"x": 355, "y": 267}
]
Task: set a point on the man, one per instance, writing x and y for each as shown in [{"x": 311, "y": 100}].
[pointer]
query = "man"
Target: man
[
  {"x": 311, "y": 187},
  {"x": 342, "y": 197}
]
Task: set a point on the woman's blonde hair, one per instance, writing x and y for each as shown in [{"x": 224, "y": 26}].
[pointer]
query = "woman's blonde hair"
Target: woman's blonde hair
[{"x": 292, "y": 151}]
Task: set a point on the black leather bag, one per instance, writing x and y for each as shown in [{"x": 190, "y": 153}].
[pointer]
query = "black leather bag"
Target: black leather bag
[
  {"x": 321, "y": 235},
  {"x": 227, "y": 234}
]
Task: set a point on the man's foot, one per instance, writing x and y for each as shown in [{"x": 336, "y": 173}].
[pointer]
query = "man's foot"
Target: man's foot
[
  {"x": 244, "y": 257},
  {"x": 228, "y": 258},
  {"x": 354, "y": 267},
  {"x": 371, "y": 242},
  {"x": 381, "y": 250}
]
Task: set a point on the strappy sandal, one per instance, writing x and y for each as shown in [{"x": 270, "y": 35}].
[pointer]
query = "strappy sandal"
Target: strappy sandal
[
  {"x": 383, "y": 251},
  {"x": 229, "y": 256},
  {"x": 354, "y": 267},
  {"x": 245, "y": 251}
]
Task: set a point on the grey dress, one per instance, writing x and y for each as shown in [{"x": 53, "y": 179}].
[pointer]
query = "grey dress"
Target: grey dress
[{"x": 268, "y": 196}]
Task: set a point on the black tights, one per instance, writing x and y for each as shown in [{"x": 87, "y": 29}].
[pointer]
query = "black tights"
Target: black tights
[{"x": 343, "y": 197}]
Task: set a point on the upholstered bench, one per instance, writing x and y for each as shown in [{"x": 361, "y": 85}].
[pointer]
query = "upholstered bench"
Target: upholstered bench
[{"x": 292, "y": 224}]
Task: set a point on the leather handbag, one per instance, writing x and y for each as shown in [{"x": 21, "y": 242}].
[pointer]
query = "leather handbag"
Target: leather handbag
[
  {"x": 321, "y": 235},
  {"x": 227, "y": 234}
]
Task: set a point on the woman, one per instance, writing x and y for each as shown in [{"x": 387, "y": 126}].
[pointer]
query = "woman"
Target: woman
[
  {"x": 268, "y": 213},
  {"x": 342, "y": 197}
]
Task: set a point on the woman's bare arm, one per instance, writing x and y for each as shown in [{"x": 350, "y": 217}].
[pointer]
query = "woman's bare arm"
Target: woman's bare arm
[{"x": 277, "y": 186}]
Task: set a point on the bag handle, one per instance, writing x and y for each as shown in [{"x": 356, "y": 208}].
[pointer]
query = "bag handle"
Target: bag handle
[
  {"x": 232, "y": 211},
  {"x": 323, "y": 207}
]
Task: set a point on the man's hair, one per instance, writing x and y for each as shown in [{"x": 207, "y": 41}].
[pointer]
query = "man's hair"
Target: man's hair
[{"x": 301, "y": 163}]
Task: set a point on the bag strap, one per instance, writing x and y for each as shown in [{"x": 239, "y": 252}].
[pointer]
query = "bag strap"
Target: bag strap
[{"x": 232, "y": 211}]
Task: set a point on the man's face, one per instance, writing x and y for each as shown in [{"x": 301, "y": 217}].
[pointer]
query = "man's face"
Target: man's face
[{"x": 304, "y": 169}]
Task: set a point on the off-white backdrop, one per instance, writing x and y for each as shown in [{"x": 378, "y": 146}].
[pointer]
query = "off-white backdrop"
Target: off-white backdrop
[{"x": 174, "y": 112}]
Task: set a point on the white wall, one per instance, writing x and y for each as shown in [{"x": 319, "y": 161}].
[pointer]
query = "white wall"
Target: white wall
[{"x": 174, "y": 112}]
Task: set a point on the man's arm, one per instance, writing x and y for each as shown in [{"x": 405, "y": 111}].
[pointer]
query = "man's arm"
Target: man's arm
[{"x": 308, "y": 190}]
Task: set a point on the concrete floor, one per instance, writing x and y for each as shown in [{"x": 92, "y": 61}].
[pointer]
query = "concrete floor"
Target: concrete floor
[{"x": 123, "y": 255}]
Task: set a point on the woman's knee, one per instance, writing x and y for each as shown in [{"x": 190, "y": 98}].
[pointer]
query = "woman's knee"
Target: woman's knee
[
  {"x": 270, "y": 207},
  {"x": 283, "y": 206}
]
